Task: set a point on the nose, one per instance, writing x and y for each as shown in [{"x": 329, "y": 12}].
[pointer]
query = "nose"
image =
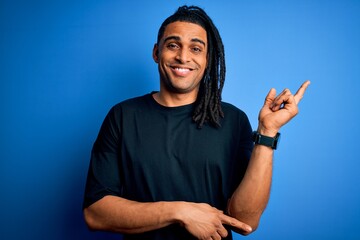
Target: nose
[{"x": 182, "y": 56}]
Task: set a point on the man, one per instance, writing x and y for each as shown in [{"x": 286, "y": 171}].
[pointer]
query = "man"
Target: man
[{"x": 179, "y": 163}]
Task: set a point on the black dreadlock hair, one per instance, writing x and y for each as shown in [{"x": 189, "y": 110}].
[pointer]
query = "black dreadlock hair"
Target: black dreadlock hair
[{"x": 208, "y": 102}]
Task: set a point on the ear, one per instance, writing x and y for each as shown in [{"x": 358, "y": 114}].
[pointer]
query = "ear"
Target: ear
[{"x": 155, "y": 53}]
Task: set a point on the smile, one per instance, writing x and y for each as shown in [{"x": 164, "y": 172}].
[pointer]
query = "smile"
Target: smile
[{"x": 182, "y": 70}]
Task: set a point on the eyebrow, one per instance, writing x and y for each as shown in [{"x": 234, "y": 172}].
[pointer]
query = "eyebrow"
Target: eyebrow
[{"x": 177, "y": 38}]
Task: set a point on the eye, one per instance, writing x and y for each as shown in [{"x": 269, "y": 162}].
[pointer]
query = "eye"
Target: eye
[
  {"x": 196, "y": 49},
  {"x": 172, "y": 46}
]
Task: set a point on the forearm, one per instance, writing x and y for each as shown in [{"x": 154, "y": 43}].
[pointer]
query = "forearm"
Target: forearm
[
  {"x": 124, "y": 216},
  {"x": 250, "y": 198}
]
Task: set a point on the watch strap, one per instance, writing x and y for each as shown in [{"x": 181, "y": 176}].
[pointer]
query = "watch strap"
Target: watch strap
[{"x": 266, "y": 140}]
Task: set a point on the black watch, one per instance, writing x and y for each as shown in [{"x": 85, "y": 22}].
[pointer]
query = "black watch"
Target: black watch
[{"x": 265, "y": 140}]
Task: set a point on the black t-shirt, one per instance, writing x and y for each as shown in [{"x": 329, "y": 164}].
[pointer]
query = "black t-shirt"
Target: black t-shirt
[{"x": 147, "y": 152}]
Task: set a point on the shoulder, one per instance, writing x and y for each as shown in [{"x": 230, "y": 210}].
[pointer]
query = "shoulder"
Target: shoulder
[
  {"x": 133, "y": 102},
  {"x": 233, "y": 116},
  {"x": 126, "y": 108},
  {"x": 237, "y": 121},
  {"x": 232, "y": 110}
]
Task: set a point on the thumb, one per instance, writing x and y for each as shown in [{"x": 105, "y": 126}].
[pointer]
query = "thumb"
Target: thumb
[{"x": 270, "y": 97}]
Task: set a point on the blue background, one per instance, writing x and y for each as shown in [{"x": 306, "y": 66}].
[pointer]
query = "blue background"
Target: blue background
[{"x": 63, "y": 64}]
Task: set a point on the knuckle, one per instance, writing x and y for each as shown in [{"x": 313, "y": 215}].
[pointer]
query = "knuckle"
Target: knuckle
[{"x": 287, "y": 92}]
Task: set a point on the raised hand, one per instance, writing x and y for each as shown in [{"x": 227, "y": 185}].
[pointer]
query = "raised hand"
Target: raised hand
[{"x": 278, "y": 110}]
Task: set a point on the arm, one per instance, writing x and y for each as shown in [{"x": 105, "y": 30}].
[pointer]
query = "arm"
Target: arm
[
  {"x": 121, "y": 215},
  {"x": 117, "y": 214},
  {"x": 251, "y": 197},
  {"x": 105, "y": 211}
]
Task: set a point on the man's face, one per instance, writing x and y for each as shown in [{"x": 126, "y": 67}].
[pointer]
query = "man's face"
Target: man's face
[{"x": 182, "y": 57}]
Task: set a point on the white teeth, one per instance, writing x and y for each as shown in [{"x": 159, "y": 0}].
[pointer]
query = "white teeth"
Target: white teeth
[{"x": 182, "y": 69}]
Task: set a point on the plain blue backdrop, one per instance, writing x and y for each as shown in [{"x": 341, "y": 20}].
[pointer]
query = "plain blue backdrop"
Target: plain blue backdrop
[{"x": 63, "y": 64}]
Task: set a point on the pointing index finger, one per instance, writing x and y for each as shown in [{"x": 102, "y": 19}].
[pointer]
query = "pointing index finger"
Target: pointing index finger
[
  {"x": 300, "y": 93},
  {"x": 233, "y": 222}
]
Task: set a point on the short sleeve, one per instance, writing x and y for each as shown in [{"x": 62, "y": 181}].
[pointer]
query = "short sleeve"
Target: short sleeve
[
  {"x": 104, "y": 170},
  {"x": 246, "y": 144},
  {"x": 244, "y": 149}
]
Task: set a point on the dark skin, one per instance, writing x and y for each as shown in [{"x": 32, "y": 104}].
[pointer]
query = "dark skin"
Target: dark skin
[{"x": 182, "y": 57}]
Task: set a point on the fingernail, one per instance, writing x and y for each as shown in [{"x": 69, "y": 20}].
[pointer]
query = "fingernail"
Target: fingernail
[{"x": 249, "y": 229}]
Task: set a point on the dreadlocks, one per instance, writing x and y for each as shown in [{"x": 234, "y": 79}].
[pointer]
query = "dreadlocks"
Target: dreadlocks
[{"x": 208, "y": 102}]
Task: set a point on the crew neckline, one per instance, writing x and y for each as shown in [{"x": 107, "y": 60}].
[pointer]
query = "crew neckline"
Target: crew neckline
[{"x": 160, "y": 106}]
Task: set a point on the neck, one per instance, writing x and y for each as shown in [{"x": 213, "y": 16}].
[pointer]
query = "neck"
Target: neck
[{"x": 174, "y": 99}]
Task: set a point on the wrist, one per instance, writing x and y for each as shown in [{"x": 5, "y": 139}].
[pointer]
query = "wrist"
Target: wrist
[
  {"x": 270, "y": 141},
  {"x": 270, "y": 132},
  {"x": 177, "y": 212}
]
